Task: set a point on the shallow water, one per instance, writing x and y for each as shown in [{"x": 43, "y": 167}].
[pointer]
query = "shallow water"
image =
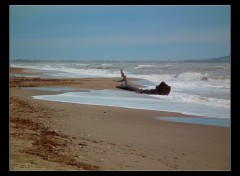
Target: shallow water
[
  {"x": 198, "y": 120},
  {"x": 56, "y": 89},
  {"x": 127, "y": 99},
  {"x": 206, "y": 84},
  {"x": 200, "y": 86}
]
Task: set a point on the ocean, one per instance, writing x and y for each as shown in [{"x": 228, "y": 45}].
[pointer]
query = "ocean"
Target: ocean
[{"x": 201, "y": 89}]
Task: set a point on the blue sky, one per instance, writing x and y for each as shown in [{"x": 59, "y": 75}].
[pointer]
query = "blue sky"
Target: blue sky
[{"x": 119, "y": 32}]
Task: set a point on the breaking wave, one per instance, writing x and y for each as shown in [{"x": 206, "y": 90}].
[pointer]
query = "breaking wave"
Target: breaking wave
[
  {"x": 144, "y": 66},
  {"x": 200, "y": 84},
  {"x": 188, "y": 76}
]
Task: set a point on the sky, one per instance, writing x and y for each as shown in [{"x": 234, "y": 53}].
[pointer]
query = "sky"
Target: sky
[{"x": 156, "y": 32}]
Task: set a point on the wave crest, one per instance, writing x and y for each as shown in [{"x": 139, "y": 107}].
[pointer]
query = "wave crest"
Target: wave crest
[
  {"x": 188, "y": 76},
  {"x": 144, "y": 66}
]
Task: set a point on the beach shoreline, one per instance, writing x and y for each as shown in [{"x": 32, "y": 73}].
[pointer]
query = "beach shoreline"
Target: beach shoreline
[{"x": 47, "y": 135}]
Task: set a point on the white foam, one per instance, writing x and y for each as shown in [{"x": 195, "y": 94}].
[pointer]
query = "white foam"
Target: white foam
[
  {"x": 188, "y": 76},
  {"x": 196, "y": 99},
  {"x": 156, "y": 78},
  {"x": 64, "y": 70},
  {"x": 185, "y": 77},
  {"x": 186, "y": 81},
  {"x": 144, "y": 66},
  {"x": 168, "y": 65},
  {"x": 136, "y": 101}
]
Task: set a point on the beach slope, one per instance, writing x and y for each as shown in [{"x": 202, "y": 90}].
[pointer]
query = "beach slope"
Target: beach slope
[{"x": 46, "y": 135}]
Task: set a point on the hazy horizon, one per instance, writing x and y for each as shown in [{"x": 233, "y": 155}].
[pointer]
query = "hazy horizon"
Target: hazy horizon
[{"x": 122, "y": 60}]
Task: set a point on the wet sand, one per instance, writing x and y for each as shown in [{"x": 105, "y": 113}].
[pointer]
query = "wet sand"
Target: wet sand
[{"x": 47, "y": 135}]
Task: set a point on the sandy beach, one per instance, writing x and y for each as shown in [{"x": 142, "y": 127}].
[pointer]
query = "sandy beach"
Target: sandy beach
[{"x": 47, "y": 135}]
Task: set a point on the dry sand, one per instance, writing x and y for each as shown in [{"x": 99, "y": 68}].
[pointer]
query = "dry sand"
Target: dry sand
[{"x": 47, "y": 135}]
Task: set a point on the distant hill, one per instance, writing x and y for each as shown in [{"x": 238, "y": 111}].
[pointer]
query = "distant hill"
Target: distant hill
[{"x": 218, "y": 59}]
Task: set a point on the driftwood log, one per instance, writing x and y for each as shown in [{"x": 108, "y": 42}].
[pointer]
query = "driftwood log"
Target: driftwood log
[{"x": 161, "y": 89}]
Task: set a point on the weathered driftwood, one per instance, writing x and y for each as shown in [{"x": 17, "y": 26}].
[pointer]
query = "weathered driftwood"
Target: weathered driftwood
[
  {"x": 128, "y": 87},
  {"x": 161, "y": 89},
  {"x": 124, "y": 77}
]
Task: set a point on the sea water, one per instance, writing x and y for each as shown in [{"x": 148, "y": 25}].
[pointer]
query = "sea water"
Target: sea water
[
  {"x": 196, "y": 88},
  {"x": 225, "y": 122},
  {"x": 55, "y": 89}
]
